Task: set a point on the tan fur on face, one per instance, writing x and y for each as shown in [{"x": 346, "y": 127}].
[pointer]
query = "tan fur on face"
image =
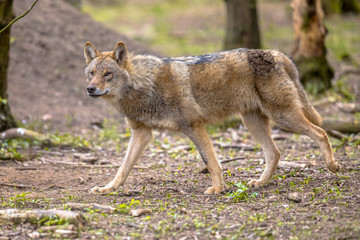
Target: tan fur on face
[{"x": 186, "y": 93}]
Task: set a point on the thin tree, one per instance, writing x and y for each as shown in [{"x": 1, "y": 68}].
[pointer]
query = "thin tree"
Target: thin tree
[
  {"x": 242, "y": 29},
  {"x": 6, "y": 20},
  {"x": 6, "y": 15},
  {"x": 309, "y": 49}
]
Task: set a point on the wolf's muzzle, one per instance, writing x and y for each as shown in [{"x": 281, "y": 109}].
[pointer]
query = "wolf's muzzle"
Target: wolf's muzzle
[{"x": 93, "y": 91}]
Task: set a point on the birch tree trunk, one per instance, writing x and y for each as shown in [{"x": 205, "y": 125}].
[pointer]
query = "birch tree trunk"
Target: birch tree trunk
[
  {"x": 242, "y": 29},
  {"x": 6, "y": 15},
  {"x": 309, "y": 49}
]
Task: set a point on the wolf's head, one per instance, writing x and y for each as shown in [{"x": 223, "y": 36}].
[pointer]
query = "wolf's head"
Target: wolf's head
[{"x": 107, "y": 72}]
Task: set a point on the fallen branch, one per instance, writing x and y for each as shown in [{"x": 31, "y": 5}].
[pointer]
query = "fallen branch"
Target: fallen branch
[
  {"x": 92, "y": 206},
  {"x": 336, "y": 134},
  {"x": 21, "y": 133},
  {"x": 17, "y": 216},
  {"x": 341, "y": 126}
]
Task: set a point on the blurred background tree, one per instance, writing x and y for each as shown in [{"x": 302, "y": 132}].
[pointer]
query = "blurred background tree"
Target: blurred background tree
[
  {"x": 309, "y": 49},
  {"x": 242, "y": 28},
  {"x": 341, "y": 6},
  {"x": 6, "y": 15}
]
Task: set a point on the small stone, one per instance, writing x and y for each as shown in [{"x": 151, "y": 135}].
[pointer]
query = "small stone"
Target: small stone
[
  {"x": 47, "y": 117},
  {"x": 139, "y": 212},
  {"x": 81, "y": 180},
  {"x": 294, "y": 196}
]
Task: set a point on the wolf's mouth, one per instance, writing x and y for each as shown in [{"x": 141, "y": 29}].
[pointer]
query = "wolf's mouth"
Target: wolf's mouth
[{"x": 96, "y": 95}]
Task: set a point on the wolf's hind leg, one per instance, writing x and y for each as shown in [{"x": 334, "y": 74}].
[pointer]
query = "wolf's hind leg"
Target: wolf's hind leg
[
  {"x": 203, "y": 143},
  {"x": 258, "y": 126},
  {"x": 295, "y": 121},
  {"x": 141, "y": 136}
]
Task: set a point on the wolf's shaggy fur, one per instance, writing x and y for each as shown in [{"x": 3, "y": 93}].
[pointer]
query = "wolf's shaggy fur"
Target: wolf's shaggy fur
[{"x": 186, "y": 93}]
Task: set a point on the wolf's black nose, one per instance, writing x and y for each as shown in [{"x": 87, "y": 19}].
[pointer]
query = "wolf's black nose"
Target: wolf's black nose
[{"x": 91, "y": 89}]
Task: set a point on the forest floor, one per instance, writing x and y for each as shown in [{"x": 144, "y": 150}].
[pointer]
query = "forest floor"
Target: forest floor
[{"x": 303, "y": 200}]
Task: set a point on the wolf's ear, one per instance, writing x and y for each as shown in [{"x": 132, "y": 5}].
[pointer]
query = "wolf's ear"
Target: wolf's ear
[
  {"x": 90, "y": 52},
  {"x": 120, "y": 53}
]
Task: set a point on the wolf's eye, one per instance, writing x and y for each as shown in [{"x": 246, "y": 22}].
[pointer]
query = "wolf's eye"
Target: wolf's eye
[
  {"x": 91, "y": 73},
  {"x": 107, "y": 74}
]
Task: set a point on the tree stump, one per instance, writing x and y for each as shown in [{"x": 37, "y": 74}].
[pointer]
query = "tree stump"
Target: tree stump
[{"x": 309, "y": 50}]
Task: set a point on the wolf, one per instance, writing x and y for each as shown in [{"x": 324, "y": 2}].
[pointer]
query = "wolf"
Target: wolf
[{"x": 187, "y": 93}]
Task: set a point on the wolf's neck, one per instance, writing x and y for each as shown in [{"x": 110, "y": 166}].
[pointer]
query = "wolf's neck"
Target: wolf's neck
[{"x": 137, "y": 101}]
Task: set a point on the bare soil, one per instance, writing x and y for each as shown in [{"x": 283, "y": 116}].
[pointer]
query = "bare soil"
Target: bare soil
[
  {"x": 302, "y": 201},
  {"x": 46, "y": 88}
]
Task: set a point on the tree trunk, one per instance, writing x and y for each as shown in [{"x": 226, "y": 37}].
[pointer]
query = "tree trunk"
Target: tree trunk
[
  {"x": 341, "y": 6},
  {"x": 309, "y": 50},
  {"x": 350, "y": 6},
  {"x": 6, "y": 15},
  {"x": 242, "y": 28}
]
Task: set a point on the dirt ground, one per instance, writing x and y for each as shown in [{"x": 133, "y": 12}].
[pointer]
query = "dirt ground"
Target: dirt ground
[{"x": 303, "y": 200}]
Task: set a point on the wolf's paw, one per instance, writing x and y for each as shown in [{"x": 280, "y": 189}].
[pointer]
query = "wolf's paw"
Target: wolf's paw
[
  {"x": 255, "y": 183},
  {"x": 216, "y": 190},
  {"x": 334, "y": 167},
  {"x": 102, "y": 190}
]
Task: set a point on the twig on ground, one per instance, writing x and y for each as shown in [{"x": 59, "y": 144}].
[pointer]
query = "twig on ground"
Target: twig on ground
[
  {"x": 88, "y": 165},
  {"x": 237, "y": 146},
  {"x": 26, "y": 168},
  {"x": 129, "y": 224},
  {"x": 349, "y": 70},
  {"x": 232, "y": 159},
  {"x": 205, "y": 170},
  {"x": 336, "y": 134},
  {"x": 16, "y": 185},
  {"x": 60, "y": 154}
]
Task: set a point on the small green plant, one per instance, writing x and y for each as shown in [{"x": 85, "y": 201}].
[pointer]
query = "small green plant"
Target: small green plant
[
  {"x": 18, "y": 201},
  {"x": 53, "y": 220},
  {"x": 125, "y": 208},
  {"x": 9, "y": 149},
  {"x": 68, "y": 139},
  {"x": 241, "y": 194}
]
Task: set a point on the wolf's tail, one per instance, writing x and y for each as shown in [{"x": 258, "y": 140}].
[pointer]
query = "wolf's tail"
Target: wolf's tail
[{"x": 309, "y": 111}]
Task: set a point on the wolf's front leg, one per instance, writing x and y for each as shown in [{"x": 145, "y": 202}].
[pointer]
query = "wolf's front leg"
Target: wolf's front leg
[
  {"x": 141, "y": 136},
  {"x": 203, "y": 143}
]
